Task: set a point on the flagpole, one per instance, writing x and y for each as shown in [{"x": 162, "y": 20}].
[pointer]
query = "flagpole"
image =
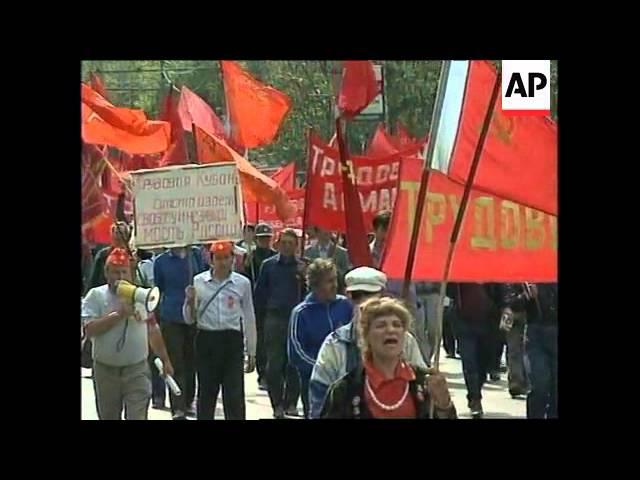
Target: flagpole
[
  {"x": 114, "y": 170},
  {"x": 457, "y": 227},
  {"x": 306, "y": 194},
  {"x": 349, "y": 183},
  {"x": 185, "y": 137},
  {"x": 250, "y": 246},
  {"x": 350, "y": 194},
  {"x": 197, "y": 161},
  {"x": 424, "y": 181},
  {"x": 195, "y": 141}
]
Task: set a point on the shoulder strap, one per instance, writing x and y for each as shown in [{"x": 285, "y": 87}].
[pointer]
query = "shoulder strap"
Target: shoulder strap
[{"x": 212, "y": 298}]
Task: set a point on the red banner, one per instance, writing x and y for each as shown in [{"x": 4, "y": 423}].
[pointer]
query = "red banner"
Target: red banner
[
  {"x": 500, "y": 241},
  {"x": 377, "y": 181},
  {"x": 269, "y": 215}
]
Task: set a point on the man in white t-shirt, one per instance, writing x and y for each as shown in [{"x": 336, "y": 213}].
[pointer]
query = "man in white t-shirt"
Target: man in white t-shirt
[{"x": 120, "y": 346}]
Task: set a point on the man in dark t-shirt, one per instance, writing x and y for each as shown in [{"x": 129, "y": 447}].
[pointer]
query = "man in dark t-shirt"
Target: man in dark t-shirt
[{"x": 477, "y": 323}]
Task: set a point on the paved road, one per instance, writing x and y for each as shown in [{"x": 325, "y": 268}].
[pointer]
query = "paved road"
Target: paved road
[{"x": 496, "y": 401}]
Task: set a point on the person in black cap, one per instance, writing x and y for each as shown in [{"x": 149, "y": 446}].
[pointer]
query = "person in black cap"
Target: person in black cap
[
  {"x": 248, "y": 236},
  {"x": 252, "y": 262}
]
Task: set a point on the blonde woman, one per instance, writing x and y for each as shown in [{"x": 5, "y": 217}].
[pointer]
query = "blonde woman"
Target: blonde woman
[{"x": 387, "y": 386}]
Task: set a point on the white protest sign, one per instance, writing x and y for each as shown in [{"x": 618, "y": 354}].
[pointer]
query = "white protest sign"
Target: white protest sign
[{"x": 187, "y": 204}]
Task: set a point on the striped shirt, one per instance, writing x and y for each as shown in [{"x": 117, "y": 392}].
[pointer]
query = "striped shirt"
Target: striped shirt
[{"x": 232, "y": 307}]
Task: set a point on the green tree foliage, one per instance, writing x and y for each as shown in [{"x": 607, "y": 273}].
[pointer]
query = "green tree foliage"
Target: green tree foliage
[{"x": 410, "y": 89}]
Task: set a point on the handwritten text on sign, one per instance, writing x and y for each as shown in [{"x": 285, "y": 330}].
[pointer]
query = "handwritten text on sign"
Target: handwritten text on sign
[{"x": 186, "y": 205}]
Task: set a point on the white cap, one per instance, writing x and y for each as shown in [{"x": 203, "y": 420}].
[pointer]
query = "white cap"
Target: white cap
[{"x": 365, "y": 279}]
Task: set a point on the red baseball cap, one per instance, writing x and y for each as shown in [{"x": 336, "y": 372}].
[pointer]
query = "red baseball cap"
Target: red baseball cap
[
  {"x": 221, "y": 247},
  {"x": 119, "y": 257}
]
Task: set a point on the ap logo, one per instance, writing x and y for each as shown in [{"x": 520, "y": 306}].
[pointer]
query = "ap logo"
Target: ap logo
[{"x": 526, "y": 87}]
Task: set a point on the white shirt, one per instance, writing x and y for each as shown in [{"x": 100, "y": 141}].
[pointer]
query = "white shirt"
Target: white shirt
[{"x": 232, "y": 306}]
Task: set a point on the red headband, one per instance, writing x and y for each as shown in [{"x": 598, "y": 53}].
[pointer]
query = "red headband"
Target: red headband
[{"x": 118, "y": 257}]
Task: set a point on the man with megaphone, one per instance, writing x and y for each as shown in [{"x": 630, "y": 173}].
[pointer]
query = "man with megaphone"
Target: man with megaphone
[{"x": 116, "y": 318}]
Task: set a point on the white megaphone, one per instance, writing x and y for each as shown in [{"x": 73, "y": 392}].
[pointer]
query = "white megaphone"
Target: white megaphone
[{"x": 146, "y": 297}]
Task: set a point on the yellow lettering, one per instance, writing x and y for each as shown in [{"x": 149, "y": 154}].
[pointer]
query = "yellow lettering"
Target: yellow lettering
[
  {"x": 534, "y": 238},
  {"x": 480, "y": 239},
  {"x": 455, "y": 205},
  {"x": 554, "y": 232},
  {"x": 411, "y": 188},
  {"x": 434, "y": 201},
  {"x": 509, "y": 224}
]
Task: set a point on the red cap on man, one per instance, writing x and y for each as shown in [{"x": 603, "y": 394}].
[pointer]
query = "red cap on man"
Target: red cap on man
[
  {"x": 118, "y": 257},
  {"x": 221, "y": 247}
]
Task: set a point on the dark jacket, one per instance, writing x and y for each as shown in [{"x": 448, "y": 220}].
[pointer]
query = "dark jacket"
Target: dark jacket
[
  {"x": 476, "y": 303},
  {"x": 345, "y": 398},
  {"x": 543, "y": 310},
  {"x": 258, "y": 256},
  {"x": 279, "y": 287}
]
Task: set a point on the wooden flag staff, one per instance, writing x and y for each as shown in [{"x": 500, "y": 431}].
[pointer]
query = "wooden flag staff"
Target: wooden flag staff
[
  {"x": 460, "y": 217},
  {"x": 424, "y": 181}
]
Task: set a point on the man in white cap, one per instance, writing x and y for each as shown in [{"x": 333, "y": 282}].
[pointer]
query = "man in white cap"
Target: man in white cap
[{"x": 339, "y": 354}]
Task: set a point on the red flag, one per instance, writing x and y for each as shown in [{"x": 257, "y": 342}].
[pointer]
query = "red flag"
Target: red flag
[
  {"x": 169, "y": 112},
  {"x": 381, "y": 143},
  {"x": 359, "y": 252},
  {"x": 269, "y": 215},
  {"x": 110, "y": 180},
  {"x": 286, "y": 176},
  {"x": 93, "y": 202},
  {"x": 256, "y": 186},
  {"x": 140, "y": 162},
  {"x": 377, "y": 179},
  {"x": 519, "y": 160},
  {"x": 193, "y": 109},
  {"x": 97, "y": 84},
  {"x": 128, "y": 119},
  {"x": 404, "y": 139},
  {"x": 176, "y": 155},
  {"x": 359, "y": 87},
  {"x": 500, "y": 241},
  {"x": 153, "y": 137},
  {"x": 100, "y": 232},
  {"x": 256, "y": 110}
]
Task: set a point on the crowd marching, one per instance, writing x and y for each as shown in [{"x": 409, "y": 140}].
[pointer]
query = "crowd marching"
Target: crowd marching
[{"x": 338, "y": 338}]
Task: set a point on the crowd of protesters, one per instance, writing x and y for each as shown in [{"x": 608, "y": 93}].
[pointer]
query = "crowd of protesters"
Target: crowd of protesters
[{"x": 316, "y": 329}]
